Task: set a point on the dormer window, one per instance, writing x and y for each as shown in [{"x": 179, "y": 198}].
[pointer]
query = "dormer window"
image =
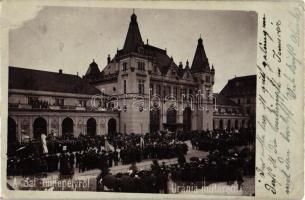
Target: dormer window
[
  {"x": 141, "y": 50},
  {"x": 173, "y": 73},
  {"x": 141, "y": 66},
  {"x": 155, "y": 69},
  {"x": 124, "y": 66},
  {"x": 207, "y": 79}
]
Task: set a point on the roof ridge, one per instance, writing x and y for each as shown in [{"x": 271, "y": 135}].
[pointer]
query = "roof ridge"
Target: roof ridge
[
  {"x": 39, "y": 70},
  {"x": 40, "y": 80}
]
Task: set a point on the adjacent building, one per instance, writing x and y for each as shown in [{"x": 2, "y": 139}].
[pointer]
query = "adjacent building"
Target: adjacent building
[
  {"x": 41, "y": 101},
  {"x": 241, "y": 91}
]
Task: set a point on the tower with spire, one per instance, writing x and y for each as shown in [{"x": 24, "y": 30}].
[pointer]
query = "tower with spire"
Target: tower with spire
[
  {"x": 201, "y": 70},
  {"x": 133, "y": 68},
  {"x": 133, "y": 38}
]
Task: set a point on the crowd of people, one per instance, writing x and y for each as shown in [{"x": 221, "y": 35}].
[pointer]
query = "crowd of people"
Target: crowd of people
[
  {"x": 87, "y": 152},
  {"x": 226, "y": 166},
  {"x": 230, "y": 157},
  {"x": 218, "y": 139}
]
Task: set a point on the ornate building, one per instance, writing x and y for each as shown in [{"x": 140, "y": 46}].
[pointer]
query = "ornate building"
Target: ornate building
[{"x": 167, "y": 91}]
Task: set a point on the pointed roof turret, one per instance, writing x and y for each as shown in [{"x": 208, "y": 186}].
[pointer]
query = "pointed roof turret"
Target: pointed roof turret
[
  {"x": 180, "y": 65},
  {"x": 93, "y": 69},
  {"x": 200, "y": 61},
  {"x": 133, "y": 37},
  {"x": 187, "y": 65},
  {"x": 213, "y": 70}
]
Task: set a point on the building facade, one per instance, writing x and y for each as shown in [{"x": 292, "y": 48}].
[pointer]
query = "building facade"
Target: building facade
[
  {"x": 41, "y": 101},
  {"x": 228, "y": 115}
]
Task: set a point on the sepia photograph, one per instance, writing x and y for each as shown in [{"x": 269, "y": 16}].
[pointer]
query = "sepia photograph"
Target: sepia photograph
[{"x": 142, "y": 100}]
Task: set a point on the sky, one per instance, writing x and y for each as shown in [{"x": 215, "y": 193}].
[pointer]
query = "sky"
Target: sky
[{"x": 69, "y": 38}]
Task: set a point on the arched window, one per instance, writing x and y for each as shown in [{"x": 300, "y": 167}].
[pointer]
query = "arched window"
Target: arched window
[
  {"x": 154, "y": 120},
  {"x": 187, "y": 119},
  {"x": 112, "y": 127},
  {"x": 67, "y": 126},
  {"x": 229, "y": 124},
  {"x": 11, "y": 130},
  {"x": 236, "y": 124},
  {"x": 249, "y": 124},
  {"x": 243, "y": 123},
  {"x": 39, "y": 127},
  {"x": 91, "y": 127},
  {"x": 221, "y": 124},
  {"x": 171, "y": 115}
]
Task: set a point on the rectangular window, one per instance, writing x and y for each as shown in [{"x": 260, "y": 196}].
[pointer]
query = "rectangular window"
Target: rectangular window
[
  {"x": 176, "y": 92},
  {"x": 141, "y": 66},
  {"x": 32, "y": 100},
  {"x": 183, "y": 94},
  {"x": 151, "y": 89},
  {"x": 159, "y": 90},
  {"x": 155, "y": 69},
  {"x": 141, "y": 86},
  {"x": 208, "y": 94},
  {"x": 82, "y": 103},
  {"x": 125, "y": 86},
  {"x": 59, "y": 102}
]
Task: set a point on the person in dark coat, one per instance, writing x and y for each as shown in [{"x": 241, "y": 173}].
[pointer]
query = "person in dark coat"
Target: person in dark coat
[
  {"x": 65, "y": 168},
  {"x": 181, "y": 159},
  {"x": 77, "y": 159},
  {"x": 115, "y": 158},
  {"x": 127, "y": 184},
  {"x": 239, "y": 177},
  {"x": 110, "y": 158},
  {"x": 72, "y": 161}
]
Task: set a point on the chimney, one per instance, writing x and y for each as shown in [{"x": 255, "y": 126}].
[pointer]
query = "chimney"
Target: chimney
[
  {"x": 108, "y": 59},
  {"x": 60, "y": 71},
  {"x": 180, "y": 65}
]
